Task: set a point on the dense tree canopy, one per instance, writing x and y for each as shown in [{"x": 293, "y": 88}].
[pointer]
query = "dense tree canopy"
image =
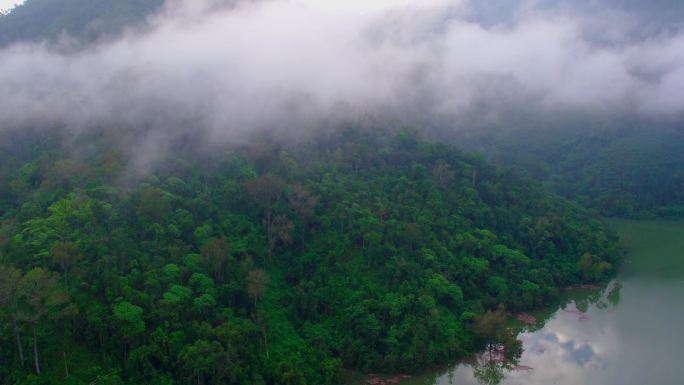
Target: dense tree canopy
[
  {"x": 271, "y": 263},
  {"x": 621, "y": 168}
]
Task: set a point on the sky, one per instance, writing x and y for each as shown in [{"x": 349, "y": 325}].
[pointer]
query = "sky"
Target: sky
[
  {"x": 295, "y": 65},
  {"x": 7, "y": 4}
]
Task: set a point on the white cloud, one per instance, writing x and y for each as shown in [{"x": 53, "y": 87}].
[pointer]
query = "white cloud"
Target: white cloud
[
  {"x": 294, "y": 63},
  {"x": 366, "y": 6},
  {"x": 9, "y": 4}
]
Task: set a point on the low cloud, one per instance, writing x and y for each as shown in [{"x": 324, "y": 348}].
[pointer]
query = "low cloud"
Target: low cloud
[{"x": 226, "y": 71}]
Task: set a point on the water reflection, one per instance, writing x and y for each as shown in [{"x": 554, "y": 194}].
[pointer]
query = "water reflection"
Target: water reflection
[
  {"x": 566, "y": 347},
  {"x": 490, "y": 373},
  {"x": 580, "y": 353},
  {"x": 571, "y": 348},
  {"x": 629, "y": 333}
]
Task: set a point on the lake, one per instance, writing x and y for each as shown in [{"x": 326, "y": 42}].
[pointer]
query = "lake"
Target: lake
[{"x": 629, "y": 333}]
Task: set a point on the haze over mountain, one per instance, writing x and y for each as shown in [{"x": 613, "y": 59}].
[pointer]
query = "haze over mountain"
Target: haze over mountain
[
  {"x": 222, "y": 71},
  {"x": 272, "y": 192},
  {"x": 292, "y": 64}
]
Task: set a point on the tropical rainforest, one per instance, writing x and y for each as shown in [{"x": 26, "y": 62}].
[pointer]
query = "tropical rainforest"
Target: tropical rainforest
[
  {"x": 270, "y": 264},
  {"x": 263, "y": 260},
  {"x": 625, "y": 169}
]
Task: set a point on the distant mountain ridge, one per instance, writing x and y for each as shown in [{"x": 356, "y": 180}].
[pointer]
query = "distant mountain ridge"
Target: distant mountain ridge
[{"x": 86, "y": 20}]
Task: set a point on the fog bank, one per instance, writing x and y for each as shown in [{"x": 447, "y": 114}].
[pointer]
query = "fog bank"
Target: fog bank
[{"x": 224, "y": 71}]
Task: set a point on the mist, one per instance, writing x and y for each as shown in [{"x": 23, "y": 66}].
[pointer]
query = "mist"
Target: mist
[{"x": 226, "y": 71}]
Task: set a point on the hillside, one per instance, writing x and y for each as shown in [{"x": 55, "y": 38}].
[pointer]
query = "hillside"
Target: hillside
[
  {"x": 272, "y": 264},
  {"x": 86, "y": 20},
  {"x": 620, "y": 168},
  {"x": 191, "y": 217}
]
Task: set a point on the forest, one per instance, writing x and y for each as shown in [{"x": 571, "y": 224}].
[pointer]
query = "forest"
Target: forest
[
  {"x": 625, "y": 168},
  {"x": 271, "y": 263},
  {"x": 143, "y": 240}
]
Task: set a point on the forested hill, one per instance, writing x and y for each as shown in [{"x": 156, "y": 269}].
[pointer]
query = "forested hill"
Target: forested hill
[
  {"x": 271, "y": 264},
  {"x": 86, "y": 20},
  {"x": 621, "y": 168}
]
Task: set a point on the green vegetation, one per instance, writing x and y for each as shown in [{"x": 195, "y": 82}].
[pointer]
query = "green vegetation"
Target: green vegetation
[
  {"x": 274, "y": 263},
  {"x": 271, "y": 263},
  {"x": 87, "y": 20},
  {"x": 624, "y": 169}
]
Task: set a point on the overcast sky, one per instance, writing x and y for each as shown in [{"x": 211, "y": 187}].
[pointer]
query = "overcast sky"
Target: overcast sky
[{"x": 289, "y": 64}]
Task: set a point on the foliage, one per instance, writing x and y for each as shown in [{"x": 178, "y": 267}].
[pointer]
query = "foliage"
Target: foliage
[
  {"x": 276, "y": 263},
  {"x": 622, "y": 168}
]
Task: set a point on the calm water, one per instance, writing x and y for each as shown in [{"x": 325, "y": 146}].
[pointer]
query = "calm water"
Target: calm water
[{"x": 631, "y": 333}]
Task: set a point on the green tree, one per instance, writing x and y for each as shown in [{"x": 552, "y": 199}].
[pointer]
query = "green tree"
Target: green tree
[
  {"x": 41, "y": 298},
  {"x": 65, "y": 255},
  {"x": 216, "y": 255},
  {"x": 499, "y": 339},
  {"x": 267, "y": 191},
  {"x": 202, "y": 360},
  {"x": 257, "y": 281},
  {"x": 130, "y": 321},
  {"x": 10, "y": 278}
]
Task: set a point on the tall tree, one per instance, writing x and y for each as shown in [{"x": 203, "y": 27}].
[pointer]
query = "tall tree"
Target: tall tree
[
  {"x": 65, "y": 255},
  {"x": 216, "y": 255},
  {"x": 266, "y": 191},
  {"x": 202, "y": 361},
  {"x": 280, "y": 230},
  {"x": 41, "y": 298},
  {"x": 9, "y": 285},
  {"x": 256, "y": 284},
  {"x": 262, "y": 321},
  {"x": 130, "y": 322},
  {"x": 442, "y": 173},
  {"x": 302, "y": 202},
  {"x": 500, "y": 340}
]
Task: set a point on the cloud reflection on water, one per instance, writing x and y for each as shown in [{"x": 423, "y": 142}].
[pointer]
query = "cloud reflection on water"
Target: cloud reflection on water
[
  {"x": 569, "y": 349},
  {"x": 631, "y": 335}
]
